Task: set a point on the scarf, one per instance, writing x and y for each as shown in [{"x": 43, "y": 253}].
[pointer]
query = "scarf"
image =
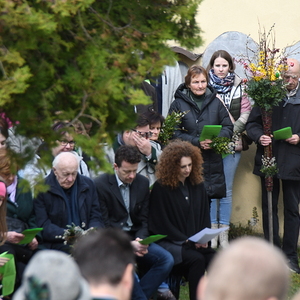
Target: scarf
[
  {"x": 71, "y": 200},
  {"x": 12, "y": 189},
  {"x": 221, "y": 85}
]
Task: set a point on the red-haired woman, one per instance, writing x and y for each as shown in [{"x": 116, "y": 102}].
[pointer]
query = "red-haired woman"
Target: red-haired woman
[{"x": 179, "y": 208}]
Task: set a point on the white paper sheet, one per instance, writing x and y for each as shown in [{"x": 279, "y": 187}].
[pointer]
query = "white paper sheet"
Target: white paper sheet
[{"x": 206, "y": 234}]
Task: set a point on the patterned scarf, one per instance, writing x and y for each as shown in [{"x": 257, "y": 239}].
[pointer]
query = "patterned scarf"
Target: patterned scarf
[
  {"x": 221, "y": 85},
  {"x": 12, "y": 189}
]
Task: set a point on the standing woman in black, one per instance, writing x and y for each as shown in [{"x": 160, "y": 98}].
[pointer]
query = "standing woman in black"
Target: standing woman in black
[{"x": 202, "y": 107}]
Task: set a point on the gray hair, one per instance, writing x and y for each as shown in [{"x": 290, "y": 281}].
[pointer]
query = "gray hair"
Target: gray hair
[{"x": 63, "y": 155}]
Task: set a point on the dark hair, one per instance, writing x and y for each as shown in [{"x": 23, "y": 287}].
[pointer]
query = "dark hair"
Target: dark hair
[
  {"x": 153, "y": 117},
  {"x": 224, "y": 54},
  {"x": 192, "y": 72},
  {"x": 127, "y": 153},
  {"x": 103, "y": 255},
  {"x": 3, "y": 128},
  {"x": 142, "y": 120},
  {"x": 58, "y": 126}
]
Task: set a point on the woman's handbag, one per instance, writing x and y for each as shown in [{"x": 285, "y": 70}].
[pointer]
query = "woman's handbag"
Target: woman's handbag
[
  {"x": 246, "y": 141},
  {"x": 242, "y": 144}
]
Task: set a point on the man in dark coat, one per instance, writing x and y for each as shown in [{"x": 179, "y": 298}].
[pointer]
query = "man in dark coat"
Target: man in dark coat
[
  {"x": 71, "y": 199},
  {"x": 124, "y": 198},
  {"x": 287, "y": 153}
]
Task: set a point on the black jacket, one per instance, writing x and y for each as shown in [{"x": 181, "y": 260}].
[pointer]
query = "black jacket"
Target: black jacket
[
  {"x": 112, "y": 205},
  {"x": 170, "y": 214},
  {"x": 51, "y": 211},
  {"x": 287, "y": 155},
  {"x": 213, "y": 112}
]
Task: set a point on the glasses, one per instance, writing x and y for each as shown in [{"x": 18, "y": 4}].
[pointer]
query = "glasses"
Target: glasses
[
  {"x": 65, "y": 143},
  {"x": 288, "y": 77},
  {"x": 146, "y": 135}
]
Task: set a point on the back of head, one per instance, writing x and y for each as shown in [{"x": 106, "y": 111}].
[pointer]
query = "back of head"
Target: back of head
[
  {"x": 57, "y": 274},
  {"x": 249, "y": 269},
  {"x": 103, "y": 256}
]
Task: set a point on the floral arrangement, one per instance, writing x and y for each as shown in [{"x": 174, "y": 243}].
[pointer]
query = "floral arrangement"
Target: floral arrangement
[
  {"x": 266, "y": 87},
  {"x": 73, "y": 232},
  {"x": 168, "y": 128}
]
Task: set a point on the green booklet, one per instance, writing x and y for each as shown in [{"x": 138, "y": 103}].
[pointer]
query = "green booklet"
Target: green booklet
[
  {"x": 283, "y": 133},
  {"x": 210, "y": 131},
  {"x": 152, "y": 238},
  {"x": 8, "y": 271},
  {"x": 29, "y": 235}
]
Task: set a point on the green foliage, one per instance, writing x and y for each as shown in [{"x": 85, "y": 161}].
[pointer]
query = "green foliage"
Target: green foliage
[
  {"x": 73, "y": 58},
  {"x": 222, "y": 145},
  {"x": 240, "y": 230},
  {"x": 269, "y": 166},
  {"x": 168, "y": 128},
  {"x": 266, "y": 93}
]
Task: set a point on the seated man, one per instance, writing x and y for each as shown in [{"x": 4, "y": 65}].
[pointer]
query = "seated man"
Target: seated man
[
  {"x": 71, "y": 199},
  {"x": 105, "y": 258},
  {"x": 249, "y": 269},
  {"x": 124, "y": 198}
]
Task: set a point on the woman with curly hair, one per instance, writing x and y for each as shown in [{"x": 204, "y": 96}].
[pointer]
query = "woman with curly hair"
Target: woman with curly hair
[{"x": 179, "y": 208}]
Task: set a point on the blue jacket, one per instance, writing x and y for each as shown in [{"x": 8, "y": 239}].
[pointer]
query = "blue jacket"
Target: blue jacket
[{"x": 51, "y": 211}]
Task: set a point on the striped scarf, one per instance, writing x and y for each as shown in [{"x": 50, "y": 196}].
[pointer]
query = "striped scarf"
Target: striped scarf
[{"x": 221, "y": 85}]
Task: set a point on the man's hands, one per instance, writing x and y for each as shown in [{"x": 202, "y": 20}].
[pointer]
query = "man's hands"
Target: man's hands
[
  {"x": 265, "y": 140},
  {"x": 294, "y": 140},
  {"x": 138, "y": 248},
  {"x": 142, "y": 143}
]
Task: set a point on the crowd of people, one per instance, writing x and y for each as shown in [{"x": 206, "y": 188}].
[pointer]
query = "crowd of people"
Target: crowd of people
[{"x": 174, "y": 190}]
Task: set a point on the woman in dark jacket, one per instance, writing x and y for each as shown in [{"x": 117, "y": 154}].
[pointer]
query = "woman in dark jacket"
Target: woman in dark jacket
[
  {"x": 179, "y": 208},
  {"x": 202, "y": 107},
  {"x": 19, "y": 214}
]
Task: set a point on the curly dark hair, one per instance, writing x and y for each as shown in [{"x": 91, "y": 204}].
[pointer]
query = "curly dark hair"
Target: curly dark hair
[
  {"x": 127, "y": 153},
  {"x": 168, "y": 166}
]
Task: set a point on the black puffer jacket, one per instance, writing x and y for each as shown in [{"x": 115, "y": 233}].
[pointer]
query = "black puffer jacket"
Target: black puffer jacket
[{"x": 213, "y": 112}]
